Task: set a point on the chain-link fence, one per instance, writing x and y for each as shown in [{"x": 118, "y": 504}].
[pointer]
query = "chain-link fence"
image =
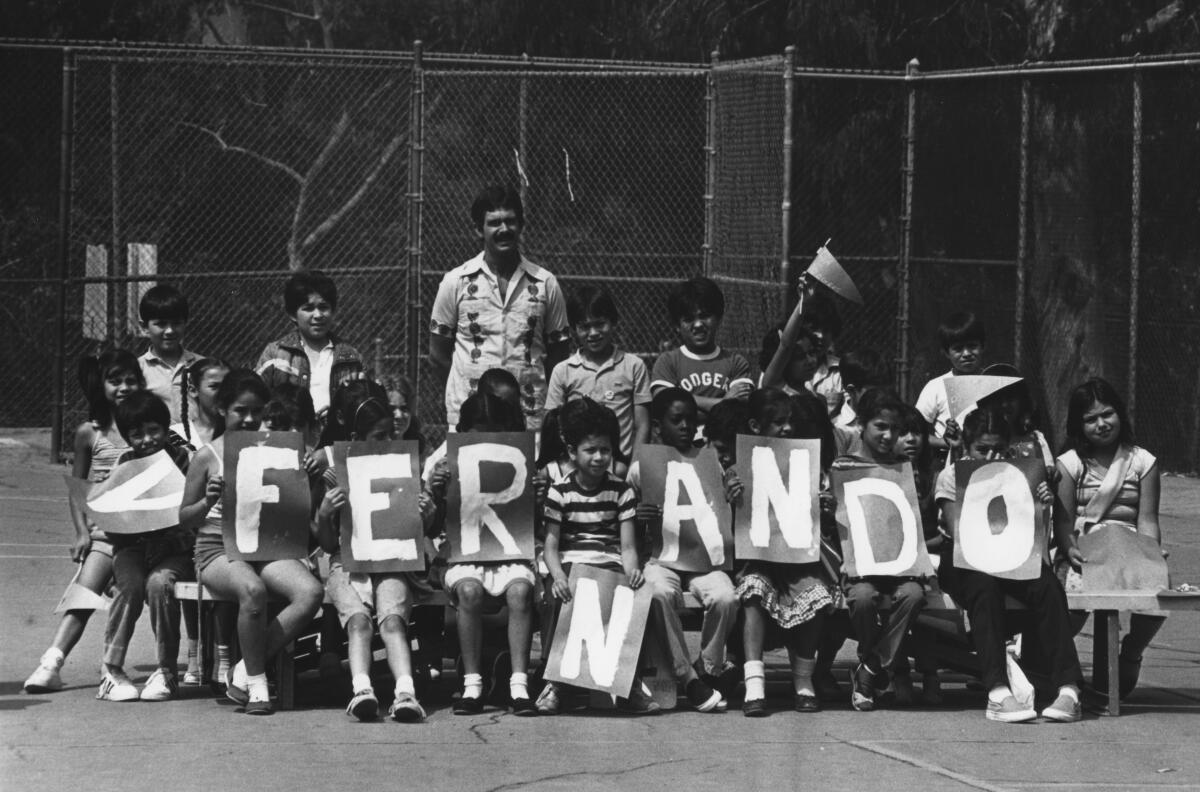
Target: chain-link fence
[{"x": 1055, "y": 202}]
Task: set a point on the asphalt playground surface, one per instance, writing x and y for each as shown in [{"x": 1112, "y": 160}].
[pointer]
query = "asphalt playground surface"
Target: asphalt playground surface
[{"x": 68, "y": 740}]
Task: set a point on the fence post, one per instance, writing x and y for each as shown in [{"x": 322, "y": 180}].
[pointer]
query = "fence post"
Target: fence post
[
  {"x": 789, "y": 108},
  {"x": 66, "y": 158},
  {"x": 1135, "y": 243},
  {"x": 116, "y": 261},
  {"x": 903, "y": 320},
  {"x": 710, "y": 160},
  {"x": 523, "y": 132},
  {"x": 1022, "y": 229},
  {"x": 416, "y": 188}
]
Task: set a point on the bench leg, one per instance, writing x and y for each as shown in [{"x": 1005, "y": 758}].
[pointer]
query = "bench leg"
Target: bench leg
[
  {"x": 285, "y": 673},
  {"x": 1105, "y": 649}
]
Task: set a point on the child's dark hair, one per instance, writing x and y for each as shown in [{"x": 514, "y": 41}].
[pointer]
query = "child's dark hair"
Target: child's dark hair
[
  {"x": 726, "y": 420},
  {"x": 404, "y": 387},
  {"x": 820, "y": 315},
  {"x": 189, "y": 377},
  {"x": 864, "y": 368},
  {"x": 552, "y": 448},
  {"x": 237, "y": 382},
  {"x": 485, "y": 409},
  {"x": 306, "y": 282},
  {"x": 985, "y": 421},
  {"x": 911, "y": 421},
  {"x": 665, "y": 398},
  {"x": 960, "y": 328},
  {"x": 767, "y": 404},
  {"x": 695, "y": 295},
  {"x": 141, "y": 408},
  {"x": 495, "y": 198},
  {"x": 771, "y": 340},
  {"x": 367, "y": 415},
  {"x": 346, "y": 399},
  {"x": 165, "y": 303},
  {"x": 290, "y": 408},
  {"x": 1081, "y": 399},
  {"x": 810, "y": 420},
  {"x": 876, "y": 401},
  {"x": 496, "y": 379},
  {"x": 591, "y": 302},
  {"x": 94, "y": 370}
]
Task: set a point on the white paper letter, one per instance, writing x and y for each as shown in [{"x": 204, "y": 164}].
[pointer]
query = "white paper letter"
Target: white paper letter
[
  {"x": 1009, "y": 549},
  {"x": 860, "y": 534},
  {"x": 124, "y": 496},
  {"x": 252, "y": 493},
  {"x": 477, "y": 510},
  {"x": 362, "y": 471},
  {"x": 699, "y": 510},
  {"x": 587, "y": 626},
  {"x": 792, "y": 504}
]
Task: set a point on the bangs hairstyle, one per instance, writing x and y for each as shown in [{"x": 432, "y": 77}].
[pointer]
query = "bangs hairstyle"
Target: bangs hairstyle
[
  {"x": 582, "y": 418},
  {"x": 94, "y": 370},
  {"x": 864, "y": 368},
  {"x": 496, "y": 198},
  {"x": 696, "y": 295},
  {"x": 960, "y": 328},
  {"x": 484, "y": 409},
  {"x": 665, "y": 398},
  {"x": 237, "y": 382},
  {"x": 342, "y": 406},
  {"x": 306, "y": 282},
  {"x": 165, "y": 303},
  {"x": 139, "y": 409},
  {"x": 291, "y": 406},
  {"x": 1094, "y": 391},
  {"x": 912, "y": 422},
  {"x": 191, "y": 377},
  {"x": 985, "y": 421},
  {"x": 591, "y": 302},
  {"x": 726, "y": 420},
  {"x": 767, "y": 404},
  {"x": 810, "y": 421}
]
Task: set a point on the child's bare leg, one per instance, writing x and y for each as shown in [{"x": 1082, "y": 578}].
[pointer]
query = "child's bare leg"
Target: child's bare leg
[
  {"x": 359, "y": 632},
  {"x": 754, "y": 630},
  {"x": 94, "y": 576},
  {"x": 520, "y": 635},
  {"x": 394, "y": 632},
  {"x": 291, "y": 581},
  {"x": 469, "y": 622},
  {"x": 237, "y": 580}
]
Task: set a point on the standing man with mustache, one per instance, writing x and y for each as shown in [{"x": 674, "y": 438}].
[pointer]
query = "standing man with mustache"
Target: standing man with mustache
[{"x": 498, "y": 310}]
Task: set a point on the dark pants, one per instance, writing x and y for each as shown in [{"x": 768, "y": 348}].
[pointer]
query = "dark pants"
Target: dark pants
[
  {"x": 982, "y": 596},
  {"x": 879, "y": 634}
]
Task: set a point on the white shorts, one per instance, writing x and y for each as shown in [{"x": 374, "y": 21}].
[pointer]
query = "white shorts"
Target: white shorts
[{"x": 495, "y": 578}]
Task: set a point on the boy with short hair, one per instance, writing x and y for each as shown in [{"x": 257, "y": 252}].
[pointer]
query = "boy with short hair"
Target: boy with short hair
[
  {"x": 962, "y": 339},
  {"x": 700, "y": 366},
  {"x": 673, "y": 417},
  {"x": 601, "y": 371},
  {"x": 163, "y": 311},
  {"x": 310, "y": 355},
  {"x": 860, "y": 370}
]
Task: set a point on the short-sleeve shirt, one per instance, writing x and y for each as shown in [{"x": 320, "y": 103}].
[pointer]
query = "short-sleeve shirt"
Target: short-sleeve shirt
[
  {"x": 710, "y": 375},
  {"x": 163, "y": 379},
  {"x": 493, "y": 330},
  {"x": 590, "y": 521},
  {"x": 1089, "y": 476},
  {"x": 946, "y": 487},
  {"x": 826, "y": 382},
  {"x": 619, "y": 383},
  {"x": 933, "y": 404}
]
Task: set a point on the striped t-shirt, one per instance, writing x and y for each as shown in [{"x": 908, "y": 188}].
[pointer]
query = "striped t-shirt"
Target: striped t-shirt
[{"x": 590, "y": 521}]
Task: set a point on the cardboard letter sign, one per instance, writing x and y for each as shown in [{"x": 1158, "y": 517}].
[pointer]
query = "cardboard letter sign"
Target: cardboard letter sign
[
  {"x": 779, "y": 517},
  {"x": 265, "y": 506},
  {"x": 490, "y": 506},
  {"x": 607, "y": 619},
  {"x": 1118, "y": 559},
  {"x": 381, "y": 528},
  {"x": 1001, "y": 526},
  {"x": 138, "y": 496},
  {"x": 697, "y": 526},
  {"x": 879, "y": 521}
]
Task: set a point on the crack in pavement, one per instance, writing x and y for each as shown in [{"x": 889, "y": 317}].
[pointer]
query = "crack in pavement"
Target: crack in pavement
[
  {"x": 975, "y": 783},
  {"x": 493, "y": 720},
  {"x": 581, "y": 773}
]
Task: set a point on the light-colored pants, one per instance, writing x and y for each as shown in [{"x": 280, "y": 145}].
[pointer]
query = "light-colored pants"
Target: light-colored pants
[
  {"x": 141, "y": 577},
  {"x": 715, "y": 590}
]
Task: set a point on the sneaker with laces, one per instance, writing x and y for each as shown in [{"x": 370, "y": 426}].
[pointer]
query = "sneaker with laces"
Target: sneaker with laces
[
  {"x": 1064, "y": 710},
  {"x": 161, "y": 686},
  {"x": 46, "y": 677},
  {"x": 1009, "y": 711},
  {"x": 640, "y": 702},
  {"x": 364, "y": 705},
  {"x": 116, "y": 687},
  {"x": 548, "y": 701},
  {"x": 862, "y": 689},
  {"x": 406, "y": 709},
  {"x": 190, "y": 679},
  {"x": 702, "y": 698}
]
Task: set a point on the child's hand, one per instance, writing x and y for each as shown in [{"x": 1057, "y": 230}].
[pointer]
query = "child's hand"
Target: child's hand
[
  {"x": 440, "y": 480},
  {"x": 330, "y": 477},
  {"x": 828, "y": 502},
  {"x": 636, "y": 578},
  {"x": 1076, "y": 558},
  {"x": 649, "y": 513},
  {"x": 1043, "y": 493},
  {"x": 80, "y": 547},
  {"x": 316, "y": 462},
  {"x": 953, "y": 434},
  {"x": 426, "y": 505},
  {"x": 733, "y": 486},
  {"x": 740, "y": 390},
  {"x": 212, "y": 492},
  {"x": 334, "y": 499},
  {"x": 562, "y": 589},
  {"x": 541, "y": 486}
]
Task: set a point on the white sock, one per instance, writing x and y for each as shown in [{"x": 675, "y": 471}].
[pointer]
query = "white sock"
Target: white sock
[
  {"x": 517, "y": 685},
  {"x": 256, "y": 686},
  {"x": 240, "y": 677},
  {"x": 1070, "y": 692},
  {"x": 756, "y": 680},
  {"x": 404, "y": 684},
  {"x": 472, "y": 685},
  {"x": 193, "y": 655},
  {"x": 997, "y": 694},
  {"x": 53, "y": 657},
  {"x": 802, "y": 671},
  {"x": 360, "y": 682}
]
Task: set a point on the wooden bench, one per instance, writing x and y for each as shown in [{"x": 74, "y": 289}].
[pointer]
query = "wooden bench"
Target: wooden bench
[{"x": 1105, "y": 607}]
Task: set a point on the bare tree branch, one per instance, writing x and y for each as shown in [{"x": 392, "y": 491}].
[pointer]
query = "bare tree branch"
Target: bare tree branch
[
  {"x": 335, "y": 138},
  {"x": 1164, "y": 16},
  {"x": 284, "y": 11},
  {"x": 272, "y": 163}
]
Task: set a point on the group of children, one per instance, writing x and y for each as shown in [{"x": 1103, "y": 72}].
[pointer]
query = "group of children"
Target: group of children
[{"x": 602, "y": 406}]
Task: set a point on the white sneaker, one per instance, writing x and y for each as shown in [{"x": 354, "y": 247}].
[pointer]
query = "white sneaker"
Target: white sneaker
[
  {"x": 117, "y": 687},
  {"x": 46, "y": 678},
  {"x": 161, "y": 686}
]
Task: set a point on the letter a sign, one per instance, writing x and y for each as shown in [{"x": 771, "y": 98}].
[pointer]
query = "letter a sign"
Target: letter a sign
[
  {"x": 1001, "y": 526},
  {"x": 381, "y": 528},
  {"x": 265, "y": 506},
  {"x": 697, "y": 526},
  {"x": 490, "y": 506},
  {"x": 599, "y": 632}
]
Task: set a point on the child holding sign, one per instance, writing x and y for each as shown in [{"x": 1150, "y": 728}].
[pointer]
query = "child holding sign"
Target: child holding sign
[
  {"x": 795, "y": 597},
  {"x": 146, "y": 565},
  {"x": 240, "y": 401},
  {"x": 589, "y": 520},
  {"x": 107, "y": 380},
  {"x": 986, "y": 435},
  {"x": 388, "y": 595},
  {"x": 1107, "y": 480}
]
